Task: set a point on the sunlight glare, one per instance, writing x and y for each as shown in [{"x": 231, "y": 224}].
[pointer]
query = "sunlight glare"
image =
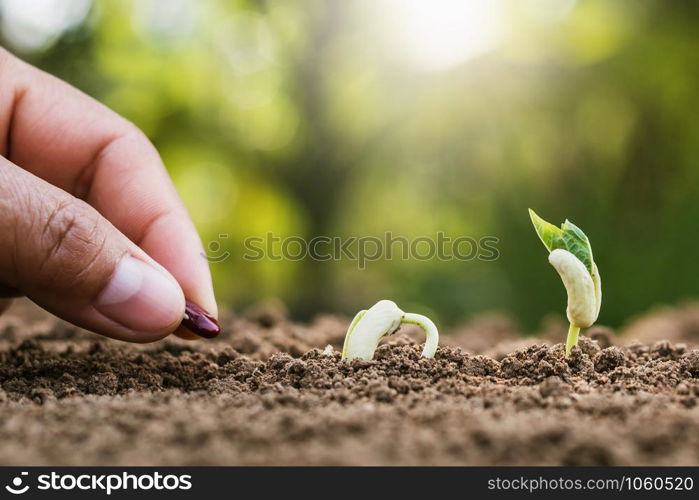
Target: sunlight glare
[
  {"x": 33, "y": 25},
  {"x": 439, "y": 34}
]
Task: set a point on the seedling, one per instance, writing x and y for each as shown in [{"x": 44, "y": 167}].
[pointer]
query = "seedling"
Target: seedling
[
  {"x": 384, "y": 318},
  {"x": 571, "y": 255}
]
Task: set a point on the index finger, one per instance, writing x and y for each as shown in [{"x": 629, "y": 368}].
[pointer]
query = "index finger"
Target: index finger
[{"x": 72, "y": 141}]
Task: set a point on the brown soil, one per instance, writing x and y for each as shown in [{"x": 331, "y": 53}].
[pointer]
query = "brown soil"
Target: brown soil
[{"x": 267, "y": 392}]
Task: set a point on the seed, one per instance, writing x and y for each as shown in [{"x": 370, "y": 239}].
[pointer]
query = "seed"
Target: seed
[{"x": 199, "y": 321}]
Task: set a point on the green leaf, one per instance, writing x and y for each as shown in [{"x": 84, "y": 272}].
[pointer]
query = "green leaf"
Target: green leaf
[
  {"x": 568, "y": 237},
  {"x": 550, "y": 235},
  {"x": 577, "y": 243}
]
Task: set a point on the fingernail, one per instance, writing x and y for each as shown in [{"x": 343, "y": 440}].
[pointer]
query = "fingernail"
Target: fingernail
[
  {"x": 199, "y": 321},
  {"x": 140, "y": 297}
]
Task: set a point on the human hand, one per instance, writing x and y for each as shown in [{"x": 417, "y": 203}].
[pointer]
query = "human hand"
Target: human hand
[{"x": 91, "y": 226}]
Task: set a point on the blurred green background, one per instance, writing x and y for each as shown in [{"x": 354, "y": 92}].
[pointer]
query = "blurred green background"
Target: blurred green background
[{"x": 351, "y": 118}]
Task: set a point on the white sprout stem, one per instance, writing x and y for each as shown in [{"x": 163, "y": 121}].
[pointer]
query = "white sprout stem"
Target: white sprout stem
[{"x": 432, "y": 339}]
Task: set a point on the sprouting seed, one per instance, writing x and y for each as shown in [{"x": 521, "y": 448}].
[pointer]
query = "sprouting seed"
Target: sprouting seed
[
  {"x": 571, "y": 255},
  {"x": 369, "y": 326}
]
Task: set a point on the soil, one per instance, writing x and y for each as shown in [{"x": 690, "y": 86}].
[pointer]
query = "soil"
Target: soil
[{"x": 269, "y": 391}]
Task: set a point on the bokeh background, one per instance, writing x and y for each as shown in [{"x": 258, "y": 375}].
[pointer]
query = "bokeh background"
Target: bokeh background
[{"x": 351, "y": 118}]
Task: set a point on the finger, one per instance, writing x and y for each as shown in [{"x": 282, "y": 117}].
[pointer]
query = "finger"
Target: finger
[
  {"x": 63, "y": 255},
  {"x": 79, "y": 145},
  {"x": 155, "y": 219}
]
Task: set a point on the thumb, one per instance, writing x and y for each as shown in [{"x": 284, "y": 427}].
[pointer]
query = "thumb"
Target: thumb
[{"x": 62, "y": 254}]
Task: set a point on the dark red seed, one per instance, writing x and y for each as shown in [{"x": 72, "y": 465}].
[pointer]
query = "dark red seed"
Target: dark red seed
[{"x": 199, "y": 321}]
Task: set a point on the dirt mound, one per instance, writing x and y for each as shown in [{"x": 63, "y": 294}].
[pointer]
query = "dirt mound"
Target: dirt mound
[
  {"x": 67, "y": 398},
  {"x": 677, "y": 324}
]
